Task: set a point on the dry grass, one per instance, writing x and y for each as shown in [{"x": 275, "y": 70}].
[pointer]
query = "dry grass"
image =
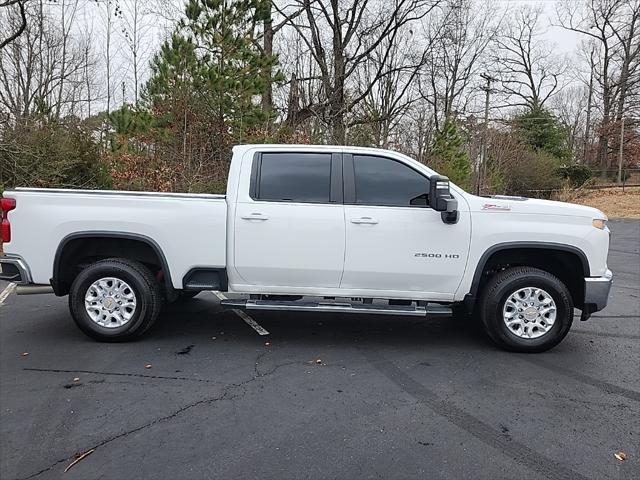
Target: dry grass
[{"x": 612, "y": 201}]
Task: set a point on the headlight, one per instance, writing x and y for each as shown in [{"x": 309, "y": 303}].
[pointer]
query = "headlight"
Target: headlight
[{"x": 599, "y": 223}]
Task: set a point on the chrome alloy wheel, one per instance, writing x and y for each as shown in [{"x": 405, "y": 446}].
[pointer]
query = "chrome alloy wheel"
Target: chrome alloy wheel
[
  {"x": 529, "y": 312},
  {"x": 110, "y": 302}
]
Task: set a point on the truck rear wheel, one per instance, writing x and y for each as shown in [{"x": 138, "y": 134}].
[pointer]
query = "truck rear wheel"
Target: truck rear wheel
[
  {"x": 525, "y": 309},
  {"x": 115, "y": 300}
]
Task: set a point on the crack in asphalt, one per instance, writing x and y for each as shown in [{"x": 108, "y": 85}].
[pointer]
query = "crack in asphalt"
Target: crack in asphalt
[
  {"x": 119, "y": 374},
  {"x": 226, "y": 395},
  {"x": 142, "y": 427}
]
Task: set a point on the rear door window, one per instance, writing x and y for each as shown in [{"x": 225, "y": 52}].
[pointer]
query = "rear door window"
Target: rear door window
[{"x": 294, "y": 177}]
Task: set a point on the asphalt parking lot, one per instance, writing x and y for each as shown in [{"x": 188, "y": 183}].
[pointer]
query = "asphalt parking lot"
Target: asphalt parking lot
[{"x": 321, "y": 396}]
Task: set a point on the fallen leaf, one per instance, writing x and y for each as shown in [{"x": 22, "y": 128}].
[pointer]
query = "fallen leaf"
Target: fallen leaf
[
  {"x": 25, "y": 354},
  {"x": 148, "y": 365},
  {"x": 79, "y": 458},
  {"x": 620, "y": 456}
]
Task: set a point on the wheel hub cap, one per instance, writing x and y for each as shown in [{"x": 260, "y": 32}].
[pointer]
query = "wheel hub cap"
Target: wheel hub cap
[
  {"x": 529, "y": 312},
  {"x": 110, "y": 302}
]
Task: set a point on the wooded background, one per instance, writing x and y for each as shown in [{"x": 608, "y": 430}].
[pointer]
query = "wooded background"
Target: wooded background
[{"x": 151, "y": 95}]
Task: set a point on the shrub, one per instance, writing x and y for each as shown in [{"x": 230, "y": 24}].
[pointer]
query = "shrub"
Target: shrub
[
  {"x": 51, "y": 155},
  {"x": 576, "y": 174},
  {"x": 534, "y": 175}
]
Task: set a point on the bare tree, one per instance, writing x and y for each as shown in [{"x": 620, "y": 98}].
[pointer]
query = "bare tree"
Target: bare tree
[
  {"x": 351, "y": 31},
  {"x": 612, "y": 28},
  {"x": 390, "y": 97},
  {"x": 529, "y": 72},
  {"x": 109, "y": 11},
  {"x": 570, "y": 106},
  {"x": 41, "y": 70},
  {"x": 68, "y": 12},
  {"x": 137, "y": 28},
  {"x": 22, "y": 24},
  {"x": 457, "y": 38}
]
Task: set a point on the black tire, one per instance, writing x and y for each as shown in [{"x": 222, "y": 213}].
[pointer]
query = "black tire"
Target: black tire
[
  {"x": 505, "y": 283},
  {"x": 145, "y": 287}
]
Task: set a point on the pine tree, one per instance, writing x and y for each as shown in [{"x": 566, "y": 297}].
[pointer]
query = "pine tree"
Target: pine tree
[
  {"x": 449, "y": 156},
  {"x": 174, "y": 72},
  {"x": 205, "y": 89},
  {"x": 543, "y": 132},
  {"x": 214, "y": 57}
]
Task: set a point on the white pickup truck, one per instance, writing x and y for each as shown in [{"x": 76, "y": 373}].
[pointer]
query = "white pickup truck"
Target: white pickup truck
[{"x": 359, "y": 230}]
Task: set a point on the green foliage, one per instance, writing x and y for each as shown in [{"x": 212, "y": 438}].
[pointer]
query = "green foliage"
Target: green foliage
[
  {"x": 543, "y": 132},
  {"x": 128, "y": 122},
  {"x": 576, "y": 174},
  {"x": 534, "y": 174},
  {"x": 174, "y": 71},
  {"x": 51, "y": 155},
  {"x": 449, "y": 156},
  {"x": 495, "y": 179},
  {"x": 213, "y": 60},
  {"x": 204, "y": 94}
]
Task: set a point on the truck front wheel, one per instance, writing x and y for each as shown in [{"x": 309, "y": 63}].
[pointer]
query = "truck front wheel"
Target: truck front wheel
[
  {"x": 115, "y": 300},
  {"x": 525, "y": 309}
]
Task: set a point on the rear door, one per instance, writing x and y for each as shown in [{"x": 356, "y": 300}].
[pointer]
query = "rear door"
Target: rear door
[
  {"x": 395, "y": 241},
  {"x": 289, "y": 230}
]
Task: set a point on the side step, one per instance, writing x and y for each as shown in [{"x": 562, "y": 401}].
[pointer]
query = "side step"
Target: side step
[{"x": 372, "y": 309}]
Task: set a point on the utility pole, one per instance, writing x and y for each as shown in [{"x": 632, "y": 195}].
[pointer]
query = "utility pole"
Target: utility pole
[
  {"x": 621, "y": 150},
  {"x": 485, "y": 133}
]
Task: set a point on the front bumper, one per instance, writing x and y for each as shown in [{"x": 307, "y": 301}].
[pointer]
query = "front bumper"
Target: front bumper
[
  {"x": 596, "y": 291},
  {"x": 14, "y": 269}
]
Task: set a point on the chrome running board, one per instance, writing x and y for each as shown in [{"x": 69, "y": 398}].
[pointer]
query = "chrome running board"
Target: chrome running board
[{"x": 336, "y": 307}]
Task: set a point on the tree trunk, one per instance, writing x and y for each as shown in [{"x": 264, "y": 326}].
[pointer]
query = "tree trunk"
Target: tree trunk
[
  {"x": 293, "y": 103},
  {"x": 336, "y": 104},
  {"x": 267, "y": 97}
]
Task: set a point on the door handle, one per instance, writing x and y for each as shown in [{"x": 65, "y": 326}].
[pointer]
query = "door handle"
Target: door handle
[
  {"x": 364, "y": 220},
  {"x": 255, "y": 216}
]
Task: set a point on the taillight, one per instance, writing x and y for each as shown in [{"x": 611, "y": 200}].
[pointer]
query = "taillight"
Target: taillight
[{"x": 6, "y": 205}]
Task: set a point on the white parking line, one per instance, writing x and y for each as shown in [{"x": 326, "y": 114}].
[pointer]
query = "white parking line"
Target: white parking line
[
  {"x": 248, "y": 320},
  {"x": 6, "y": 292}
]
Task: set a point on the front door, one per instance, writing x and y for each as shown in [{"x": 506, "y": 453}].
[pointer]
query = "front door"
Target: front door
[
  {"x": 290, "y": 232},
  {"x": 395, "y": 242}
]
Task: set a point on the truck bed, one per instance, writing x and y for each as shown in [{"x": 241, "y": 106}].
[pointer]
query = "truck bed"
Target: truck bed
[{"x": 190, "y": 229}]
